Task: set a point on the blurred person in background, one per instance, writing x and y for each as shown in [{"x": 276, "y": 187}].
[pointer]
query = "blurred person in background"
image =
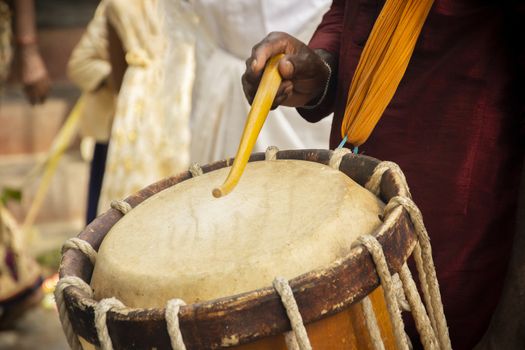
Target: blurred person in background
[
  {"x": 137, "y": 84},
  {"x": 18, "y": 17},
  {"x": 90, "y": 70},
  {"x": 20, "y": 277},
  {"x": 176, "y": 68}
]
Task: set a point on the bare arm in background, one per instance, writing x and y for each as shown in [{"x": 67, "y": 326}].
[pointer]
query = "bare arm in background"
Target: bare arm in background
[{"x": 33, "y": 72}]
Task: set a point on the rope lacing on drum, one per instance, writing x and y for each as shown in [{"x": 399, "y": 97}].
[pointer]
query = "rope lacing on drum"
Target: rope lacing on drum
[
  {"x": 195, "y": 170},
  {"x": 271, "y": 153},
  {"x": 421, "y": 319},
  {"x": 373, "y": 184},
  {"x": 284, "y": 290},
  {"x": 400, "y": 294},
  {"x": 375, "y": 249},
  {"x": 337, "y": 157},
  {"x": 430, "y": 323},
  {"x": 122, "y": 206},
  {"x": 426, "y": 269},
  {"x": 63, "y": 283},
  {"x": 371, "y": 323},
  {"x": 81, "y": 245},
  {"x": 172, "y": 321},
  {"x": 101, "y": 310}
]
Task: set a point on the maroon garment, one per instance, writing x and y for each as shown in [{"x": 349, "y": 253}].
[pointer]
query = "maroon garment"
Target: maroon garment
[{"x": 454, "y": 128}]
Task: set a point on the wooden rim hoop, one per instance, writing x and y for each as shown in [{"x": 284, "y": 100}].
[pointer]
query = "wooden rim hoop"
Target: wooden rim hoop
[{"x": 247, "y": 317}]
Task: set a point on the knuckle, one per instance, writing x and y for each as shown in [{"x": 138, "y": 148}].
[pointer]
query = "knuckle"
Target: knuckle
[
  {"x": 276, "y": 37},
  {"x": 248, "y": 63},
  {"x": 256, "y": 47},
  {"x": 273, "y": 35}
]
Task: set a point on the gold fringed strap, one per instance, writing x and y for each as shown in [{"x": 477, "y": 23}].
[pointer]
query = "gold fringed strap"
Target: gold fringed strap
[
  {"x": 261, "y": 105},
  {"x": 382, "y": 65}
]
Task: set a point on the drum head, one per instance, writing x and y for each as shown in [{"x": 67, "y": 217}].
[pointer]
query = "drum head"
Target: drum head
[{"x": 285, "y": 218}]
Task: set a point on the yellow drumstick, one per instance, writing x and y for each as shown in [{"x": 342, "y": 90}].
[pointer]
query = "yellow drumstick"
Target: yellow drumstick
[{"x": 261, "y": 105}]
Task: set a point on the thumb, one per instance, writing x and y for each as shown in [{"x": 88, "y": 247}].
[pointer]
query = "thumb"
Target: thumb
[
  {"x": 286, "y": 68},
  {"x": 297, "y": 66}
]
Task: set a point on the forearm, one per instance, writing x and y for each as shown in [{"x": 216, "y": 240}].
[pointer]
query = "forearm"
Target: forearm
[
  {"x": 24, "y": 23},
  {"x": 89, "y": 66},
  {"x": 86, "y": 70},
  {"x": 325, "y": 102},
  {"x": 326, "y": 43},
  {"x": 32, "y": 69},
  {"x": 89, "y": 76}
]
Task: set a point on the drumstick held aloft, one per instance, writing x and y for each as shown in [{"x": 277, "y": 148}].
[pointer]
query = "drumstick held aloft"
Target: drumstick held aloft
[{"x": 261, "y": 105}]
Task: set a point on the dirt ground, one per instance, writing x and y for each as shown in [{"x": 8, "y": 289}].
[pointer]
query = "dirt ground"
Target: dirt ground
[{"x": 38, "y": 329}]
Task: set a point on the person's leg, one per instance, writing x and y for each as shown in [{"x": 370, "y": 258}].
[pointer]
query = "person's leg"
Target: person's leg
[{"x": 96, "y": 177}]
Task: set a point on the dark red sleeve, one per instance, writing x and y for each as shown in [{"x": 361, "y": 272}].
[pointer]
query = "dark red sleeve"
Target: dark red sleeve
[
  {"x": 328, "y": 34},
  {"x": 327, "y": 37},
  {"x": 516, "y": 13}
]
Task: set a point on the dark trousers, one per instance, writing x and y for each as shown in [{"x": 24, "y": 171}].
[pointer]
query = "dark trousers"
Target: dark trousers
[{"x": 96, "y": 175}]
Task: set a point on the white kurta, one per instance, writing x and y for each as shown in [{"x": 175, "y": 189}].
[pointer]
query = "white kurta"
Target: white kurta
[{"x": 219, "y": 111}]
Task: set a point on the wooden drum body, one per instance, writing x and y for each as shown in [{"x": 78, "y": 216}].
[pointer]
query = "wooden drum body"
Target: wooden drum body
[{"x": 328, "y": 297}]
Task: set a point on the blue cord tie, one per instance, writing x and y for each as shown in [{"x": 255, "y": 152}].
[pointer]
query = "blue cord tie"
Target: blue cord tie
[
  {"x": 356, "y": 148},
  {"x": 343, "y": 142}
]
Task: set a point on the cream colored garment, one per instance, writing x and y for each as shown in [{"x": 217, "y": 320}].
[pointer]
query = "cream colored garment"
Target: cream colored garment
[
  {"x": 285, "y": 218},
  {"x": 89, "y": 67},
  {"x": 219, "y": 105},
  {"x": 150, "y": 135}
]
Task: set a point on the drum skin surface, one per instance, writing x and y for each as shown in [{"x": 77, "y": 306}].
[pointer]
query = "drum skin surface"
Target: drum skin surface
[{"x": 285, "y": 218}]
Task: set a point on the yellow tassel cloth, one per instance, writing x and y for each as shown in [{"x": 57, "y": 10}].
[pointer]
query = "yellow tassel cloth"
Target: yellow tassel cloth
[{"x": 382, "y": 65}]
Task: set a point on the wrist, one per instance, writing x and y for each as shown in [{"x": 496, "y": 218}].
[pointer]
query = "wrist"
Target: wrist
[
  {"x": 26, "y": 40},
  {"x": 316, "y": 101}
]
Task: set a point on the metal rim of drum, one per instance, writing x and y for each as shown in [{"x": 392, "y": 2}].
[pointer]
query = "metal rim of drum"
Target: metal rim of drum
[{"x": 256, "y": 314}]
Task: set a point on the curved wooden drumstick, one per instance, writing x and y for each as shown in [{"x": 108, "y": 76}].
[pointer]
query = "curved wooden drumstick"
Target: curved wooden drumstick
[{"x": 261, "y": 105}]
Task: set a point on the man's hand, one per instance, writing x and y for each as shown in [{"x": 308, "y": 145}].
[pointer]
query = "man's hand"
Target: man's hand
[
  {"x": 33, "y": 74},
  {"x": 304, "y": 74}
]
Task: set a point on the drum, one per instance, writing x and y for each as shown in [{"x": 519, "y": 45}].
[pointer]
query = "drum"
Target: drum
[{"x": 295, "y": 215}]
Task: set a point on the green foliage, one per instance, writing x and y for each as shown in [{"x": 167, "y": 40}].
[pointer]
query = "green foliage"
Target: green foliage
[
  {"x": 50, "y": 260},
  {"x": 10, "y": 194}
]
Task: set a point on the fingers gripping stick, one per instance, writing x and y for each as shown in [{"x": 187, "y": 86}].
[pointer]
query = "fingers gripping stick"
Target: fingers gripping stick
[{"x": 261, "y": 105}]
